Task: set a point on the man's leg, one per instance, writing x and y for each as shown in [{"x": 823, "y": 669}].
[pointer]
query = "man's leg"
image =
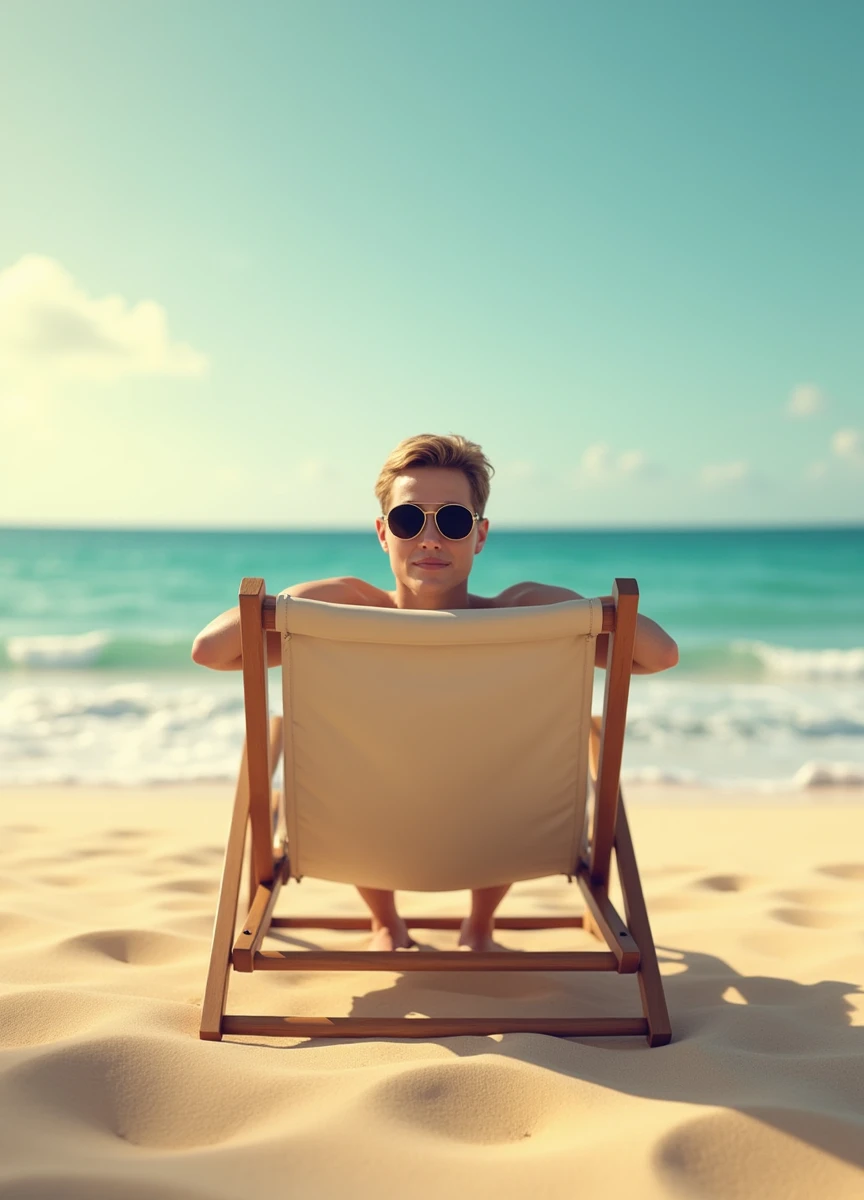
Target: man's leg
[
  {"x": 389, "y": 931},
  {"x": 476, "y": 932}
]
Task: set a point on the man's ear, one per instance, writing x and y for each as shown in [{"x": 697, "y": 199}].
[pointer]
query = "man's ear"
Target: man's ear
[
  {"x": 482, "y": 534},
  {"x": 381, "y": 530}
]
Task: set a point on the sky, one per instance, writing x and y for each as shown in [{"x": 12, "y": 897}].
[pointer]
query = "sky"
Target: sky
[{"x": 246, "y": 249}]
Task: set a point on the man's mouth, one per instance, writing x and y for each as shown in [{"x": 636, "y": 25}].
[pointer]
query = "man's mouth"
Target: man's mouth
[{"x": 430, "y": 562}]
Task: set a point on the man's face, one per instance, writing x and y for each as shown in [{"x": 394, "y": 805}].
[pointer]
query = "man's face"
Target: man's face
[{"x": 429, "y": 562}]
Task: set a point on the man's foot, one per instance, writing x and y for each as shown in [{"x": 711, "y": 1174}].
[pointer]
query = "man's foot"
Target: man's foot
[
  {"x": 393, "y": 936},
  {"x": 476, "y": 938}
]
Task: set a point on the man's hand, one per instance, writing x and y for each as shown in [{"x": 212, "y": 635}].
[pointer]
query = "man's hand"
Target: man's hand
[{"x": 654, "y": 650}]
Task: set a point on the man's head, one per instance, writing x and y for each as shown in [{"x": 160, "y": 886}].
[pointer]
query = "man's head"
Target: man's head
[{"x": 429, "y": 471}]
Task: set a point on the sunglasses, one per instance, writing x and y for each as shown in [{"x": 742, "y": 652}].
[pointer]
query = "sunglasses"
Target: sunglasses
[{"x": 453, "y": 521}]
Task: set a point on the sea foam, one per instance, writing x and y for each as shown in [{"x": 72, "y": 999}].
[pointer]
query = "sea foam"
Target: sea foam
[
  {"x": 57, "y": 650},
  {"x": 153, "y": 651},
  {"x": 785, "y": 662},
  {"x": 80, "y": 730}
]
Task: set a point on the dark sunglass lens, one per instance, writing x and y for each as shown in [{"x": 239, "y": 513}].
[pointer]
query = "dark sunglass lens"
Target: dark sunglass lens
[
  {"x": 405, "y": 520},
  {"x": 454, "y": 521}
]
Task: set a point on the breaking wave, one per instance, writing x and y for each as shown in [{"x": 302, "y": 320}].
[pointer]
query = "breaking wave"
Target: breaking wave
[
  {"x": 62, "y": 729},
  {"x": 102, "y": 650}
]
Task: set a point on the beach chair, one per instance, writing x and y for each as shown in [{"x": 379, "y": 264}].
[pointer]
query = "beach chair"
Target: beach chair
[{"x": 524, "y": 784}]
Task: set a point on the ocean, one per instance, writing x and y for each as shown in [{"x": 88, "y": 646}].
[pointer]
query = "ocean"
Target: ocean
[{"x": 97, "y": 683}]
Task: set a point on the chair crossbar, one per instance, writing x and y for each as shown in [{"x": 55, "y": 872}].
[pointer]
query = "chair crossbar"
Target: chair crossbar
[
  {"x": 430, "y": 1027},
  {"x": 432, "y": 960},
  {"x": 365, "y": 923},
  {"x": 622, "y": 956}
]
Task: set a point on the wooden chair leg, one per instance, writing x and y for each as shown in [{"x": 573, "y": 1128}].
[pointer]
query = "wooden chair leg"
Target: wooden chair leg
[
  {"x": 648, "y": 975},
  {"x": 277, "y": 803},
  {"x": 257, "y": 922},
  {"x": 216, "y": 989}
]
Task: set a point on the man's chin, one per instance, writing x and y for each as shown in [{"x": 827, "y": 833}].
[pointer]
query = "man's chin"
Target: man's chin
[{"x": 442, "y": 577}]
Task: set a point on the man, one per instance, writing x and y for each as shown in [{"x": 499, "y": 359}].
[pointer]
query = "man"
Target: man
[{"x": 433, "y": 492}]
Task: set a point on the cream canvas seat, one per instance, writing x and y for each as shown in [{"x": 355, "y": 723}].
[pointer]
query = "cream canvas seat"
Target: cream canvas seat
[{"x": 432, "y": 751}]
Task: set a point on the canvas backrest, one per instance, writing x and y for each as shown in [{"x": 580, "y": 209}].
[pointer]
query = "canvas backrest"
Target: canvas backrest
[{"x": 432, "y": 751}]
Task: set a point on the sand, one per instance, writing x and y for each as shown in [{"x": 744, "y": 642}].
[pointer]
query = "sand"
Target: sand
[{"x": 106, "y": 910}]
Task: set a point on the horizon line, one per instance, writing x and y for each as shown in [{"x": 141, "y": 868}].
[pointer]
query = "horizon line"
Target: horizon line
[{"x": 824, "y": 526}]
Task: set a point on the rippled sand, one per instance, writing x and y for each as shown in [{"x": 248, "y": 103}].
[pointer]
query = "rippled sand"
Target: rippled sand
[{"x": 106, "y": 911}]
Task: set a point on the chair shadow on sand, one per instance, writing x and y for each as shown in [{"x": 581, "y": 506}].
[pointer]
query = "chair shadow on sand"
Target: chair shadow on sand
[{"x": 778, "y": 1051}]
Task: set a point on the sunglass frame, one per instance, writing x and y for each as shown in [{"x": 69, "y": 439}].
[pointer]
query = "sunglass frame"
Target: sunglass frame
[{"x": 475, "y": 517}]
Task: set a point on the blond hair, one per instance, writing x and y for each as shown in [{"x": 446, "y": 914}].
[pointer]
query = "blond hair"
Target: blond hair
[{"x": 438, "y": 450}]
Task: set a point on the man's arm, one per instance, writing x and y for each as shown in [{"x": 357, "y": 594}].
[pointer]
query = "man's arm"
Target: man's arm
[
  {"x": 654, "y": 650},
  {"x": 218, "y": 645}
]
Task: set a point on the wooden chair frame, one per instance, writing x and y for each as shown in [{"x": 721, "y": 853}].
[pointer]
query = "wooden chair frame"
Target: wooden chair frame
[{"x": 629, "y": 945}]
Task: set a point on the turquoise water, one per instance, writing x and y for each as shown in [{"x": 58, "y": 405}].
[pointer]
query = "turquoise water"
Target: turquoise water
[{"x": 96, "y": 679}]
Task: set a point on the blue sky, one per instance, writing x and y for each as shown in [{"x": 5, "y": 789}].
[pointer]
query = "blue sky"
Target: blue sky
[{"x": 244, "y": 249}]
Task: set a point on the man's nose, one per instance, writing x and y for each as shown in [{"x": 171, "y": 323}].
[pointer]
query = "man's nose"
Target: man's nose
[{"x": 429, "y": 534}]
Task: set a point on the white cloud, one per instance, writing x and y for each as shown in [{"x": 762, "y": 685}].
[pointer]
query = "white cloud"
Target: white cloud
[
  {"x": 632, "y": 462},
  {"x": 600, "y": 464},
  {"x": 595, "y": 461},
  {"x": 51, "y": 330},
  {"x": 805, "y": 400},
  {"x": 724, "y": 474},
  {"x": 848, "y": 444}
]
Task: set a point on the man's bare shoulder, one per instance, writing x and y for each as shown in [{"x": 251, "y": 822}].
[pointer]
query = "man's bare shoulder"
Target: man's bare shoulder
[
  {"x": 342, "y": 589},
  {"x": 519, "y": 594}
]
